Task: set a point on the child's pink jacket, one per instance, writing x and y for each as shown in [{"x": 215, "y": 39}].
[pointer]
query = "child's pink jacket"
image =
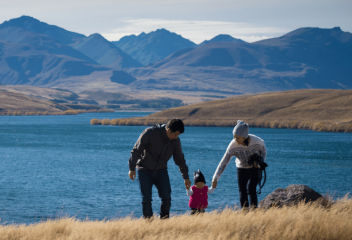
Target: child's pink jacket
[{"x": 199, "y": 198}]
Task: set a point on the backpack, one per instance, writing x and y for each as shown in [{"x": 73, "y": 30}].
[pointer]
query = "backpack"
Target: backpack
[{"x": 258, "y": 162}]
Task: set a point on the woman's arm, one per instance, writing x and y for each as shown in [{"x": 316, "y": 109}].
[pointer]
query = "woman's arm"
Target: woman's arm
[{"x": 221, "y": 166}]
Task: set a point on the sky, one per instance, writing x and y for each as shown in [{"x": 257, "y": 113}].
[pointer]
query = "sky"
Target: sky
[{"x": 196, "y": 20}]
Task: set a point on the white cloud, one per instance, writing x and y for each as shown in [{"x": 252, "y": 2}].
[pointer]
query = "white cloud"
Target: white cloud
[{"x": 194, "y": 30}]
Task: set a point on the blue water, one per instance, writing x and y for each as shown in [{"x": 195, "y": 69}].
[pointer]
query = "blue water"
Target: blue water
[{"x": 61, "y": 166}]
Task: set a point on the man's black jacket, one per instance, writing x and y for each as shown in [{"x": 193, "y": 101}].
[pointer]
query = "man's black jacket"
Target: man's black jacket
[{"x": 153, "y": 150}]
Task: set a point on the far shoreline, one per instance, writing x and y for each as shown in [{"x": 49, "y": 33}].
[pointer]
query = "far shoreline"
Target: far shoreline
[
  {"x": 274, "y": 124},
  {"x": 322, "y": 110}
]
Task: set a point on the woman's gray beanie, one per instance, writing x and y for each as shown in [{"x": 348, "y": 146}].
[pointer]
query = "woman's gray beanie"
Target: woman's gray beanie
[{"x": 241, "y": 129}]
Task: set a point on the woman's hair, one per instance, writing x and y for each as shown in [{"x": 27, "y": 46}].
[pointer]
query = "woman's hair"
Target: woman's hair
[{"x": 175, "y": 125}]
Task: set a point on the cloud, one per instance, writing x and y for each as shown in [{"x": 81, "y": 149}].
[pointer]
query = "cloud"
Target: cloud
[{"x": 194, "y": 30}]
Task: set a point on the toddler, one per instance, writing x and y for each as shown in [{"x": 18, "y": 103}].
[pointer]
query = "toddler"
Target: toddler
[{"x": 198, "y": 200}]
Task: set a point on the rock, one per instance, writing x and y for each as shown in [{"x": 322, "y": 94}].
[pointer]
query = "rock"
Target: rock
[{"x": 291, "y": 195}]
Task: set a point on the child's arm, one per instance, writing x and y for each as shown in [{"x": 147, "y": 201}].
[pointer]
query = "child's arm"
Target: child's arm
[
  {"x": 211, "y": 190},
  {"x": 189, "y": 192}
]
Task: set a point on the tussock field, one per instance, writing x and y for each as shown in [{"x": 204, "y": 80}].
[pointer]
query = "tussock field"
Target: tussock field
[
  {"x": 305, "y": 221},
  {"x": 319, "y": 110}
]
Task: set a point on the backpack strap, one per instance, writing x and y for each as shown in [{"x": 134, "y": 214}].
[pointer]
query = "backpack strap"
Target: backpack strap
[{"x": 262, "y": 180}]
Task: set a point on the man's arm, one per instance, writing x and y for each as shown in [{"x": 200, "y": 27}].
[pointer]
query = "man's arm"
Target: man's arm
[
  {"x": 180, "y": 161},
  {"x": 137, "y": 151}
]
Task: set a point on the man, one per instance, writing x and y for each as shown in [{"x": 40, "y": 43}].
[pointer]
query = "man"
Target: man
[{"x": 150, "y": 155}]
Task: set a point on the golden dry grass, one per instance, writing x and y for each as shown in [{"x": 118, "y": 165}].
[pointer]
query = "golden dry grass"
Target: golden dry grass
[
  {"x": 95, "y": 121},
  {"x": 319, "y": 110},
  {"x": 305, "y": 221}
]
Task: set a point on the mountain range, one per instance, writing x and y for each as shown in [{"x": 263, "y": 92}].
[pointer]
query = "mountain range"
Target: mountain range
[
  {"x": 154, "y": 46},
  {"x": 163, "y": 65},
  {"x": 304, "y": 58}
]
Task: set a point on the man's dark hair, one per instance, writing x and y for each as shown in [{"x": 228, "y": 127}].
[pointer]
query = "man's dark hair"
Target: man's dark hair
[{"x": 175, "y": 125}]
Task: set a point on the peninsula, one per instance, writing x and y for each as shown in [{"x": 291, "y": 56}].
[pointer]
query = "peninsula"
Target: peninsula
[
  {"x": 29, "y": 100},
  {"x": 315, "y": 109}
]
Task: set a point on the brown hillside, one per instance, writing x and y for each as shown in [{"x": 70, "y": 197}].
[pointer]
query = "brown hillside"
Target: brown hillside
[
  {"x": 320, "y": 110},
  {"x": 17, "y": 103},
  {"x": 28, "y": 100}
]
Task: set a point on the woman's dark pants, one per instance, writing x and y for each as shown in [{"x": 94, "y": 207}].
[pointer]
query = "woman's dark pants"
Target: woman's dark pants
[
  {"x": 247, "y": 185},
  {"x": 159, "y": 178}
]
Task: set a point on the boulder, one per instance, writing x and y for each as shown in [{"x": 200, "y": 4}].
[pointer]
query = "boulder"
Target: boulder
[{"x": 290, "y": 196}]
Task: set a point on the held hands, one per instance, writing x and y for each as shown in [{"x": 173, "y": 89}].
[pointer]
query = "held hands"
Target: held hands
[
  {"x": 132, "y": 175},
  {"x": 187, "y": 183}
]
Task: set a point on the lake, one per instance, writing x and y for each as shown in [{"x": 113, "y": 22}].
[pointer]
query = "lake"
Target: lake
[{"x": 61, "y": 166}]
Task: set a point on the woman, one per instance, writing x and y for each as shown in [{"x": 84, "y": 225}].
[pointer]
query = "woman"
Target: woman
[{"x": 243, "y": 146}]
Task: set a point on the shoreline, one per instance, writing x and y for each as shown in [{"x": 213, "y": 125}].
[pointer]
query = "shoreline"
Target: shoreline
[
  {"x": 322, "y": 126},
  {"x": 313, "y": 109}
]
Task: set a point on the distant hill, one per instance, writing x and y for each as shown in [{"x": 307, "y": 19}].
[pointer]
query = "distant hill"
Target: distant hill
[
  {"x": 36, "y": 53},
  {"x": 105, "y": 53},
  {"x": 28, "y": 100},
  {"x": 321, "y": 110},
  {"x": 95, "y": 47},
  {"x": 325, "y": 54},
  {"x": 152, "y": 47},
  {"x": 16, "y": 103},
  {"x": 18, "y": 29},
  {"x": 222, "y": 38}
]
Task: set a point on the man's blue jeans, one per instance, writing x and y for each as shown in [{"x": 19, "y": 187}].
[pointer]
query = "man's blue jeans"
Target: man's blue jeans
[{"x": 159, "y": 178}]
